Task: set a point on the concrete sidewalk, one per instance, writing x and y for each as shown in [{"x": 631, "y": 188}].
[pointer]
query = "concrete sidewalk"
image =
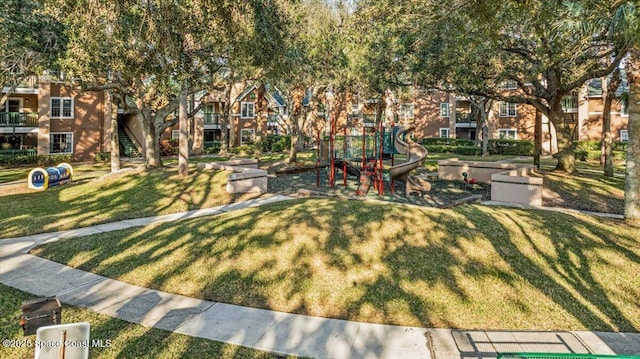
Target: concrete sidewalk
[{"x": 277, "y": 332}]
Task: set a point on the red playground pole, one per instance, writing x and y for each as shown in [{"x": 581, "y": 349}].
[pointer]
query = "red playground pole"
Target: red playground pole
[
  {"x": 379, "y": 174},
  {"x": 393, "y": 156},
  {"x": 318, "y": 159},
  {"x": 332, "y": 170},
  {"x": 344, "y": 158}
]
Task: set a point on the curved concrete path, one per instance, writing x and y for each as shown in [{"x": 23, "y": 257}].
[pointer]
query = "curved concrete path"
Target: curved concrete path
[{"x": 277, "y": 332}]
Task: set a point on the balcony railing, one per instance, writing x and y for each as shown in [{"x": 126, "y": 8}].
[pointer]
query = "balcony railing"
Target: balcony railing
[
  {"x": 18, "y": 119},
  {"x": 465, "y": 117}
]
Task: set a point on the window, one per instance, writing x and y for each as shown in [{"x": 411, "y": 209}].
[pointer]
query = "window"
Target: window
[
  {"x": 508, "y": 134},
  {"x": 13, "y": 105},
  {"x": 61, "y": 107},
  {"x": 624, "y": 110},
  {"x": 247, "y": 110},
  {"x": 570, "y": 103},
  {"x": 594, "y": 88},
  {"x": 355, "y": 109},
  {"x": 444, "y": 109},
  {"x": 406, "y": 110},
  {"x": 61, "y": 142},
  {"x": 507, "y": 109},
  {"x": 508, "y": 85},
  {"x": 209, "y": 114},
  {"x": 175, "y": 134},
  {"x": 624, "y": 135},
  {"x": 247, "y": 135},
  {"x": 444, "y": 132}
]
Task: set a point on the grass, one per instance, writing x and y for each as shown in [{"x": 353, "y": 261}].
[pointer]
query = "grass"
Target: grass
[
  {"x": 81, "y": 172},
  {"x": 89, "y": 200},
  {"x": 467, "y": 267},
  {"x": 127, "y": 340},
  {"x": 584, "y": 191}
]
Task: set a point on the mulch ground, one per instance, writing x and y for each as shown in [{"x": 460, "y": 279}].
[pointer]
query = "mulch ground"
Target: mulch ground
[
  {"x": 294, "y": 180},
  {"x": 305, "y": 180}
]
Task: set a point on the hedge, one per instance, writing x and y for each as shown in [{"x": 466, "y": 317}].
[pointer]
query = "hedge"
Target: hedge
[
  {"x": 447, "y": 142},
  {"x": 466, "y": 147},
  {"x": 212, "y": 147},
  {"x": 594, "y": 155},
  {"x": 276, "y": 143},
  {"x": 511, "y": 147},
  {"x": 102, "y": 157},
  {"x": 460, "y": 150},
  {"x": 595, "y": 146},
  {"x": 38, "y": 160}
]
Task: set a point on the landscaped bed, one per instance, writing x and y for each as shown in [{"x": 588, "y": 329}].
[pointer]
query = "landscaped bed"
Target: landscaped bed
[{"x": 467, "y": 267}]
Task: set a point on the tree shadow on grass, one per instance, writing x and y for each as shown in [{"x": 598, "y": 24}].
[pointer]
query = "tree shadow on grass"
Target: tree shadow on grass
[{"x": 472, "y": 266}]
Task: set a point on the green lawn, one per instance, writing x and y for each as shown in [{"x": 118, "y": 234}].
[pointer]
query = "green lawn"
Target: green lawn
[
  {"x": 467, "y": 267},
  {"x": 81, "y": 172},
  {"x": 90, "y": 200},
  {"x": 584, "y": 191},
  {"x": 127, "y": 340}
]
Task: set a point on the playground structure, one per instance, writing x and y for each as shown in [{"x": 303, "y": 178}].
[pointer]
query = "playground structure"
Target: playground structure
[
  {"x": 41, "y": 179},
  {"x": 363, "y": 156}
]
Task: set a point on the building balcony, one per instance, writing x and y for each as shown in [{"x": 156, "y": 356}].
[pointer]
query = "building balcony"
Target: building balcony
[
  {"x": 465, "y": 120},
  {"x": 18, "y": 121},
  {"x": 211, "y": 118}
]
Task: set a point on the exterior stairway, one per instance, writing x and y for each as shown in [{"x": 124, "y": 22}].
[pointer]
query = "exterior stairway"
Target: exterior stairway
[{"x": 130, "y": 149}]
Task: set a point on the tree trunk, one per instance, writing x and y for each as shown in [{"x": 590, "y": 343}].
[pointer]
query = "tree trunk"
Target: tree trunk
[
  {"x": 537, "y": 140},
  {"x": 115, "y": 140},
  {"x": 632, "y": 176},
  {"x": 610, "y": 92},
  {"x": 564, "y": 134},
  {"x": 261, "y": 119},
  {"x": 297, "y": 116},
  {"x": 293, "y": 149},
  {"x": 183, "y": 137},
  {"x": 152, "y": 141}
]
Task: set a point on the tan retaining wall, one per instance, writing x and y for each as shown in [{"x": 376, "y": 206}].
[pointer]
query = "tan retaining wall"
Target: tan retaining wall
[
  {"x": 510, "y": 182},
  {"x": 245, "y": 176}
]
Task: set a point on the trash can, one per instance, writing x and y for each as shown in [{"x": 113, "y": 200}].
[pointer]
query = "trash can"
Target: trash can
[{"x": 39, "y": 313}]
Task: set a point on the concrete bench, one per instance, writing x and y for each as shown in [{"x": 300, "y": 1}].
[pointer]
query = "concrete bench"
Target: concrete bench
[
  {"x": 510, "y": 182},
  {"x": 245, "y": 176}
]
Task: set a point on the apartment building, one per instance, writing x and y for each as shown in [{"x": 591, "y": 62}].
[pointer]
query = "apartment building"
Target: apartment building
[
  {"x": 447, "y": 115},
  {"x": 50, "y": 118}
]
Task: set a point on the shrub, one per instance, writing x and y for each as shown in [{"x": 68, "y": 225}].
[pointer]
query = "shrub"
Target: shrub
[
  {"x": 37, "y": 160},
  {"x": 169, "y": 147},
  {"x": 244, "y": 150},
  {"x": 212, "y": 147},
  {"x": 586, "y": 145},
  {"x": 447, "y": 142},
  {"x": 441, "y": 148},
  {"x": 276, "y": 143},
  {"x": 277, "y": 147},
  {"x": 469, "y": 150},
  {"x": 511, "y": 147},
  {"x": 620, "y": 146},
  {"x": 102, "y": 157},
  {"x": 594, "y": 155}
]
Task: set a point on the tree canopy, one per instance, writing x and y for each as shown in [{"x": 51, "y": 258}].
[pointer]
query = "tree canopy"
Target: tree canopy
[{"x": 30, "y": 42}]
